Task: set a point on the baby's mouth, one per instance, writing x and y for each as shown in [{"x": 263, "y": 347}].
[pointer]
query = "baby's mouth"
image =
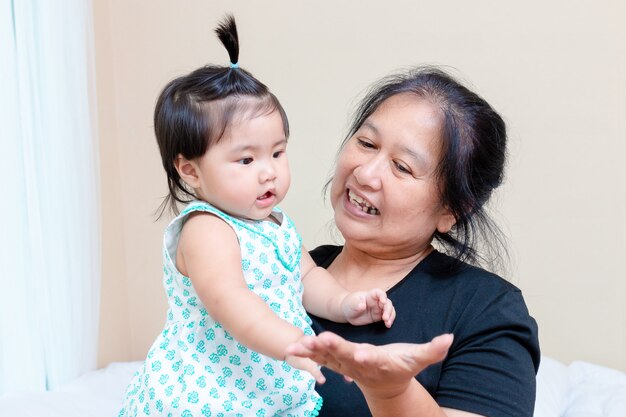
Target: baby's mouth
[
  {"x": 266, "y": 195},
  {"x": 363, "y": 204}
]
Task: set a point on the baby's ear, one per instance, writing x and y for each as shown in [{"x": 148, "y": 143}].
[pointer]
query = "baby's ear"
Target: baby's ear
[{"x": 188, "y": 171}]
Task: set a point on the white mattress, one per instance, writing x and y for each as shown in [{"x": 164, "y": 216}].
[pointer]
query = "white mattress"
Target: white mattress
[
  {"x": 578, "y": 390},
  {"x": 95, "y": 394}
]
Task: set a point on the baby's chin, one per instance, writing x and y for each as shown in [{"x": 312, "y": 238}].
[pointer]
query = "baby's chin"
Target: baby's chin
[{"x": 259, "y": 215}]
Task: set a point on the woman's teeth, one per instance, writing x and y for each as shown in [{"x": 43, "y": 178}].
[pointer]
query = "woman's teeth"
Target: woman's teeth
[{"x": 364, "y": 205}]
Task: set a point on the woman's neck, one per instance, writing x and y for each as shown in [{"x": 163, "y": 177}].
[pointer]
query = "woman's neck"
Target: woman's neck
[{"x": 358, "y": 270}]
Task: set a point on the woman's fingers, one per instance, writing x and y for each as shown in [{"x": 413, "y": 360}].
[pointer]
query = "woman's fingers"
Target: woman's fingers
[
  {"x": 439, "y": 346},
  {"x": 306, "y": 364},
  {"x": 327, "y": 349},
  {"x": 331, "y": 342},
  {"x": 317, "y": 374},
  {"x": 311, "y": 347},
  {"x": 370, "y": 365},
  {"x": 301, "y": 347},
  {"x": 339, "y": 354}
]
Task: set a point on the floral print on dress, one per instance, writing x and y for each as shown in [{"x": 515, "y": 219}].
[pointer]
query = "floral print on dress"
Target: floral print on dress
[{"x": 195, "y": 368}]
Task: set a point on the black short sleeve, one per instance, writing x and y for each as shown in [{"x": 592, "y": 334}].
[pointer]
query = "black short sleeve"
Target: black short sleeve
[{"x": 492, "y": 365}]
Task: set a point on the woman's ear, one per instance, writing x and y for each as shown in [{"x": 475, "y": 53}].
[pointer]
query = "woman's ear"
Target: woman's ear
[
  {"x": 446, "y": 221},
  {"x": 188, "y": 171}
]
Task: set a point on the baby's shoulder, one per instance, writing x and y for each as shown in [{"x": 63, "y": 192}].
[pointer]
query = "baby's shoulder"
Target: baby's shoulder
[{"x": 201, "y": 226}]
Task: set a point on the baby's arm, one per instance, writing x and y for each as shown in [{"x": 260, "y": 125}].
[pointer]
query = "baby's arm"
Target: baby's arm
[
  {"x": 325, "y": 297},
  {"x": 209, "y": 254}
]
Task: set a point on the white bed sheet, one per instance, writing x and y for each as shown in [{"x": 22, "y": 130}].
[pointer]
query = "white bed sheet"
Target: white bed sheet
[
  {"x": 578, "y": 390},
  {"x": 581, "y": 389},
  {"x": 95, "y": 394}
]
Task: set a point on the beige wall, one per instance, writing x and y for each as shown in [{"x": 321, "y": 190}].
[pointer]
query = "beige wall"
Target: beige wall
[{"x": 555, "y": 70}]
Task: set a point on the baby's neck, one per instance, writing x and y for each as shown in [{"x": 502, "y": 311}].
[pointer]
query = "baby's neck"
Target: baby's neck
[{"x": 275, "y": 218}]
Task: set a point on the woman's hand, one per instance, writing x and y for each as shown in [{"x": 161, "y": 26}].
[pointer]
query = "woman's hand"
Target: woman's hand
[
  {"x": 382, "y": 372},
  {"x": 306, "y": 364},
  {"x": 365, "y": 307}
]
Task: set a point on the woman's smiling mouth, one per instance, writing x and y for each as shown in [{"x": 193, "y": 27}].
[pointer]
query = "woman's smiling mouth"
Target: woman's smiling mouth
[{"x": 362, "y": 204}]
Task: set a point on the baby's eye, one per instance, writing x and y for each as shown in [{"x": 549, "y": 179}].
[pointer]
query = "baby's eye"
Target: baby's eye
[
  {"x": 277, "y": 154},
  {"x": 245, "y": 161}
]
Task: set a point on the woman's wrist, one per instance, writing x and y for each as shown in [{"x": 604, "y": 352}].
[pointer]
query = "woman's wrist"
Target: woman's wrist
[{"x": 411, "y": 399}]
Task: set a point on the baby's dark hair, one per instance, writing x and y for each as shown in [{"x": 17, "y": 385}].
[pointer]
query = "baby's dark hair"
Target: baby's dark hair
[{"x": 193, "y": 112}]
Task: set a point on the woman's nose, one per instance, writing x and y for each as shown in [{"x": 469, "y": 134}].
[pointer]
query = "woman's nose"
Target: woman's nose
[{"x": 368, "y": 172}]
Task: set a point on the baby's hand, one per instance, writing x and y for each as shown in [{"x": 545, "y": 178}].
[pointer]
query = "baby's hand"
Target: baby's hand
[
  {"x": 308, "y": 365},
  {"x": 365, "y": 307}
]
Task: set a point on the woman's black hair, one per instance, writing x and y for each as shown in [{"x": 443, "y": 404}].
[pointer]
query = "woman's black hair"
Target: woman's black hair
[
  {"x": 193, "y": 112},
  {"x": 472, "y": 159}
]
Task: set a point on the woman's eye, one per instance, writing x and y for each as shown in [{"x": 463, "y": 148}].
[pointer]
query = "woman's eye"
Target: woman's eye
[
  {"x": 402, "y": 168},
  {"x": 365, "y": 144},
  {"x": 245, "y": 161}
]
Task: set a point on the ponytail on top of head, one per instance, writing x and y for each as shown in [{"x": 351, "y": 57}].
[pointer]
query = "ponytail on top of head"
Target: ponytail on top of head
[
  {"x": 227, "y": 33},
  {"x": 194, "y": 111}
]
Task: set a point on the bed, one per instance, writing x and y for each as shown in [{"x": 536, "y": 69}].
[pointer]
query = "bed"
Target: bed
[{"x": 579, "y": 389}]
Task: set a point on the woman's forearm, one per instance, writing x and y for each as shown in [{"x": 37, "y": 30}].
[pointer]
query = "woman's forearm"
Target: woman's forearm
[{"x": 413, "y": 401}]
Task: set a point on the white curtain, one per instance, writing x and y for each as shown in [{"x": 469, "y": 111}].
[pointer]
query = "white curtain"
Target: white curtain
[{"x": 50, "y": 210}]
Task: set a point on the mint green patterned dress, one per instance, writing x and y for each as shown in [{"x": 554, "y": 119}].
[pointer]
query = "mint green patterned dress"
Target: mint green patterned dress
[{"x": 195, "y": 368}]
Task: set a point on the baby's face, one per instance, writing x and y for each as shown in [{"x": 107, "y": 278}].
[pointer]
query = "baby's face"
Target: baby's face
[{"x": 247, "y": 173}]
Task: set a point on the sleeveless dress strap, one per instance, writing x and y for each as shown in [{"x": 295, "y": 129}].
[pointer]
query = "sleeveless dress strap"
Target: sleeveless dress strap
[{"x": 288, "y": 258}]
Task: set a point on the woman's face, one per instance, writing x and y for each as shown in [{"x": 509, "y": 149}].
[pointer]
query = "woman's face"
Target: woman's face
[{"x": 384, "y": 192}]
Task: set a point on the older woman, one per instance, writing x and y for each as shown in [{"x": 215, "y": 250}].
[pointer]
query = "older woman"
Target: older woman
[{"x": 422, "y": 158}]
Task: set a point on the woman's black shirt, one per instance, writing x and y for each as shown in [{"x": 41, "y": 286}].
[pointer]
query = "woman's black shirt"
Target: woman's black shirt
[{"x": 492, "y": 364}]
